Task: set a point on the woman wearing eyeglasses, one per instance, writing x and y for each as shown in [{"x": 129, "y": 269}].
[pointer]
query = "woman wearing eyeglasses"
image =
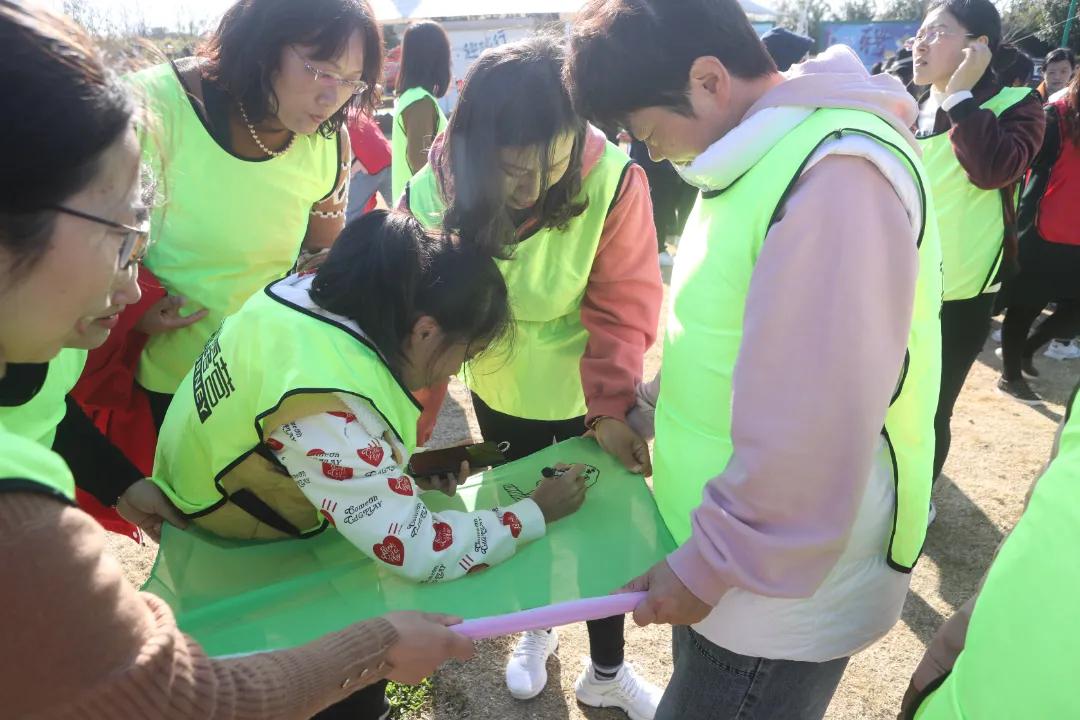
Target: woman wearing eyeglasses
[
  {"x": 254, "y": 158},
  {"x": 79, "y": 641},
  {"x": 978, "y": 140}
]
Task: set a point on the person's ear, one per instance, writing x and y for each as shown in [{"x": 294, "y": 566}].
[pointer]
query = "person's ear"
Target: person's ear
[
  {"x": 425, "y": 329},
  {"x": 709, "y": 76}
]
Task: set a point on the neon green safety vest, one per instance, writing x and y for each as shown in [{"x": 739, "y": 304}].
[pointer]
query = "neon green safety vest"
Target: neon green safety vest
[
  {"x": 277, "y": 346},
  {"x": 970, "y": 219},
  {"x": 539, "y": 378},
  {"x": 38, "y": 419},
  {"x": 1019, "y": 658},
  {"x": 226, "y": 226},
  {"x": 25, "y": 465},
  {"x": 711, "y": 279},
  {"x": 400, "y": 173}
]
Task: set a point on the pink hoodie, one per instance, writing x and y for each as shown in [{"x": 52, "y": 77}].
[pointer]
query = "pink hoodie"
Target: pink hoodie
[
  {"x": 825, "y": 331},
  {"x": 621, "y": 307}
]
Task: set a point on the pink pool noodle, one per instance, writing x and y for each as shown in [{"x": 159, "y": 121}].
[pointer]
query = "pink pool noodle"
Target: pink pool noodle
[{"x": 550, "y": 616}]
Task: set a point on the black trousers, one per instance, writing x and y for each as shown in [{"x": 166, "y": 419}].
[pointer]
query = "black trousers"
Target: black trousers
[
  {"x": 606, "y": 637},
  {"x": 367, "y": 704},
  {"x": 1016, "y": 345},
  {"x": 965, "y": 325}
]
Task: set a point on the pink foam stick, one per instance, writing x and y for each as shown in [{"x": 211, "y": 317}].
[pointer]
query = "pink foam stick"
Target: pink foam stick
[{"x": 550, "y": 616}]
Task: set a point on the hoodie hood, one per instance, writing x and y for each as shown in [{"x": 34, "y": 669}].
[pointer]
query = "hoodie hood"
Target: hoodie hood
[{"x": 834, "y": 79}]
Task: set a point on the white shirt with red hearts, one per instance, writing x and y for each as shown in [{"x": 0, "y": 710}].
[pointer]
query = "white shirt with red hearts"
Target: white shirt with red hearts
[{"x": 351, "y": 466}]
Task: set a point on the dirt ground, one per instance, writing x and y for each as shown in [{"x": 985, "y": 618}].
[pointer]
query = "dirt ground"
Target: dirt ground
[{"x": 999, "y": 447}]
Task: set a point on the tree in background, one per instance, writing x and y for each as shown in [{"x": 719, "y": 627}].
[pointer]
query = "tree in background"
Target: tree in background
[
  {"x": 856, "y": 11},
  {"x": 1045, "y": 19}
]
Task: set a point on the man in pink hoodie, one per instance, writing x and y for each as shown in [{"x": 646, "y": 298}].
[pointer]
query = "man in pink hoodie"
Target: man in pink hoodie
[{"x": 797, "y": 485}]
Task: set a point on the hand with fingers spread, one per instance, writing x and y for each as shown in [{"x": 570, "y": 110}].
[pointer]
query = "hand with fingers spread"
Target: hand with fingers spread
[
  {"x": 620, "y": 441},
  {"x": 668, "y": 602},
  {"x": 145, "y": 505},
  {"x": 164, "y": 316},
  {"x": 562, "y": 493},
  {"x": 447, "y": 483},
  {"x": 425, "y": 641}
]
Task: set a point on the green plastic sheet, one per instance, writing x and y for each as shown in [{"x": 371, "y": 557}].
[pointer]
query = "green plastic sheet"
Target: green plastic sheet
[{"x": 238, "y": 597}]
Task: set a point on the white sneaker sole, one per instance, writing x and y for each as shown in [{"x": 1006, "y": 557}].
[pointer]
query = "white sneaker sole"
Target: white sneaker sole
[{"x": 587, "y": 697}]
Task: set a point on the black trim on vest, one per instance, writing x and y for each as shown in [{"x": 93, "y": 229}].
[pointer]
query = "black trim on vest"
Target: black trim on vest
[
  {"x": 903, "y": 377},
  {"x": 896, "y": 510},
  {"x": 250, "y": 503},
  {"x": 363, "y": 340},
  {"x": 338, "y": 170},
  {"x": 33, "y": 486},
  {"x": 926, "y": 692},
  {"x": 619, "y": 186}
]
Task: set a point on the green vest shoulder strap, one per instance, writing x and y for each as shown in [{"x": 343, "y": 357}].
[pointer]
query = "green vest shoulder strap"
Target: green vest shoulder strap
[
  {"x": 38, "y": 419},
  {"x": 278, "y": 345},
  {"x": 709, "y": 285},
  {"x": 539, "y": 377},
  {"x": 1019, "y": 656},
  {"x": 27, "y": 466}
]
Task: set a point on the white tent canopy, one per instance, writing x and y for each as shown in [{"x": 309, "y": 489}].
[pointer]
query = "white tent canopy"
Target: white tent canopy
[{"x": 394, "y": 11}]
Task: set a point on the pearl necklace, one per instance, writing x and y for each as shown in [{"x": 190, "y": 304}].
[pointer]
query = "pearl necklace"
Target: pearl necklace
[{"x": 255, "y": 136}]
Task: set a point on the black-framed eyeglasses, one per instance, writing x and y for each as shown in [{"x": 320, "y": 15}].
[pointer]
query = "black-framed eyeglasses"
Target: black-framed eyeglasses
[
  {"x": 136, "y": 240},
  {"x": 326, "y": 78}
]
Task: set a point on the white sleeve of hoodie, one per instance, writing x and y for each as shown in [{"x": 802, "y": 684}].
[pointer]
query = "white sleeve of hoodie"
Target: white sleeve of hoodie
[{"x": 351, "y": 467}]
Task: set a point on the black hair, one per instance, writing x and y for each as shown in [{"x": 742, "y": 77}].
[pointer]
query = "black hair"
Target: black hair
[
  {"x": 1012, "y": 67},
  {"x": 425, "y": 59},
  {"x": 626, "y": 55},
  {"x": 513, "y": 97},
  {"x": 385, "y": 271},
  {"x": 1061, "y": 54},
  {"x": 244, "y": 52},
  {"x": 66, "y": 108},
  {"x": 978, "y": 17}
]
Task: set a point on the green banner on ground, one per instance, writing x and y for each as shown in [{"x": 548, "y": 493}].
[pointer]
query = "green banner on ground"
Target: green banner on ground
[{"x": 239, "y": 597}]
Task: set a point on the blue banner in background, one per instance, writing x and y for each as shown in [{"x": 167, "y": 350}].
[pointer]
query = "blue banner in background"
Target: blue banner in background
[{"x": 873, "y": 41}]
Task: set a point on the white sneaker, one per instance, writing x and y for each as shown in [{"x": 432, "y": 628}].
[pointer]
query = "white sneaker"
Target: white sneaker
[
  {"x": 526, "y": 671},
  {"x": 627, "y": 691},
  {"x": 996, "y": 335},
  {"x": 1062, "y": 350},
  {"x": 666, "y": 260}
]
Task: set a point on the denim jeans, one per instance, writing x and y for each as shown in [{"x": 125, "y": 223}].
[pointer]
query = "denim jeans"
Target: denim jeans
[{"x": 711, "y": 683}]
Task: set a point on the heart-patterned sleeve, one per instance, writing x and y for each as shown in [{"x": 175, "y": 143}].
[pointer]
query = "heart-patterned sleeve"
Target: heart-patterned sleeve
[{"x": 351, "y": 467}]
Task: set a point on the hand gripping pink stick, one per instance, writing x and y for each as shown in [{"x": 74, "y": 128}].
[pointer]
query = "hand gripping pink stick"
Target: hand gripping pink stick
[{"x": 549, "y": 616}]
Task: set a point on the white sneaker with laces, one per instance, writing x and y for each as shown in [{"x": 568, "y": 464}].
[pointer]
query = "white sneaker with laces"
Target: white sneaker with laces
[
  {"x": 666, "y": 260},
  {"x": 1062, "y": 350},
  {"x": 526, "y": 671},
  {"x": 628, "y": 691}
]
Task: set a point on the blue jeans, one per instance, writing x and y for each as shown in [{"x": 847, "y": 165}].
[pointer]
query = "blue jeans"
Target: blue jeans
[{"x": 711, "y": 683}]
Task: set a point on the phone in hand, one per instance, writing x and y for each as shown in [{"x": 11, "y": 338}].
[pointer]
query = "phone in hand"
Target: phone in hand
[{"x": 448, "y": 460}]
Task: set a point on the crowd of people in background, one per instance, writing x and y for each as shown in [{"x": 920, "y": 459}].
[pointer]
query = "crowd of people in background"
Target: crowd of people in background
[{"x": 231, "y": 302}]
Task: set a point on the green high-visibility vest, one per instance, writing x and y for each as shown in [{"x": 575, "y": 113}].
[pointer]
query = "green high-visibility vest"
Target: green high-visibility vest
[
  {"x": 279, "y": 345},
  {"x": 28, "y": 466},
  {"x": 38, "y": 419},
  {"x": 539, "y": 377},
  {"x": 969, "y": 219},
  {"x": 712, "y": 276},
  {"x": 226, "y": 227},
  {"x": 400, "y": 173},
  {"x": 1019, "y": 658}
]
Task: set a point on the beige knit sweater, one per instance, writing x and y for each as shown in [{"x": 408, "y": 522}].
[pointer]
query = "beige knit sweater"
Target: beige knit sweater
[{"x": 80, "y": 642}]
